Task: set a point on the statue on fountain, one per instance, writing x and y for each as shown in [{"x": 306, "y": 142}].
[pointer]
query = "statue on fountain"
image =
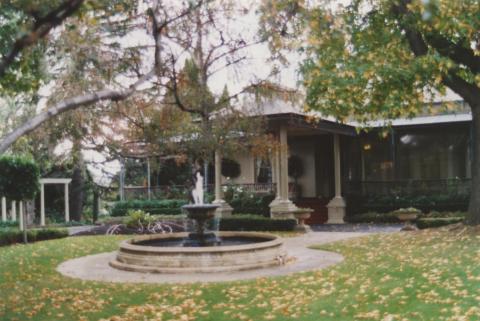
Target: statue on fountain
[
  {"x": 197, "y": 192},
  {"x": 200, "y": 213}
]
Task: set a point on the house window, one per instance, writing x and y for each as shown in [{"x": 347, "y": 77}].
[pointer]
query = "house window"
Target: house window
[
  {"x": 432, "y": 154},
  {"x": 263, "y": 171},
  {"x": 377, "y": 163}
]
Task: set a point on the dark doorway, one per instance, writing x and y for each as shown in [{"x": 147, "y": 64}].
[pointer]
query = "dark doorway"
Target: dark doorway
[
  {"x": 324, "y": 180},
  {"x": 324, "y": 167}
]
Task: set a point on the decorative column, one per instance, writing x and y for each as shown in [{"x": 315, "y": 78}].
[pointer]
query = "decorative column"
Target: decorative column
[
  {"x": 224, "y": 209},
  {"x": 14, "y": 211},
  {"x": 275, "y": 161},
  {"x": 67, "y": 206},
  {"x": 42, "y": 204},
  {"x": 284, "y": 163},
  {"x": 336, "y": 207},
  {"x": 4, "y": 209},
  {"x": 283, "y": 208}
]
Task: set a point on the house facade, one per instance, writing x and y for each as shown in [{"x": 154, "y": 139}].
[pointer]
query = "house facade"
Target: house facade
[{"x": 342, "y": 168}]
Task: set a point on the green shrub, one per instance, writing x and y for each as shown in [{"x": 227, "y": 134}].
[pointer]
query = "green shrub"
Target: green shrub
[
  {"x": 110, "y": 220},
  {"x": 391, "y": 217},
  {"x": 373, "y": 217},
  {"x": 230, "y": 168},
  {"x": 408, "y": 210},
  {"x": 437, "y": 214},
  {"x": 168, "y": 207},
  {"x": 248, "y": 203},
  {"x": 423, "y": 223},
  {"x": 20, "y": 176},
  {"x": 12, "y": 235},
  {"x": 255, "y": 223},
  {"x": 426, "y": 203},
  {"x": 8, "y": 224},
  {"x": 138, "y": 218}
]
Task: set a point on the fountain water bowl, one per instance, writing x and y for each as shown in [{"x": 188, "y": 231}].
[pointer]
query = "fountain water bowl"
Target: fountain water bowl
[{"x": 201, "y": 213}]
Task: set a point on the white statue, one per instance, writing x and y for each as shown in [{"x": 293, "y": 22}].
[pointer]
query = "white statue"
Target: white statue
[{"x": 197, "y": 191}]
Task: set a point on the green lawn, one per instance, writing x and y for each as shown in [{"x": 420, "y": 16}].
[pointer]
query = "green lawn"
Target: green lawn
[{"x": 430, "y": 275}]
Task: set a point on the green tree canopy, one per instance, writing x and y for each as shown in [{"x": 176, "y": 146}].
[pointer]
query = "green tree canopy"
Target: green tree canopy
[{"x": 20, "y": 178}]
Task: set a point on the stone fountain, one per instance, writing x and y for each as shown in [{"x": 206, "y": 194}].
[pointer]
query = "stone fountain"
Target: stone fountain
[
  {"x": 200, "y": 214},
  {"x": 201, "y": 250}
]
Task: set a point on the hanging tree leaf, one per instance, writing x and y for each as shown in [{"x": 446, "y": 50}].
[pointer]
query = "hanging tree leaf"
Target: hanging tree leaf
[{"x": 230, "y": 168}]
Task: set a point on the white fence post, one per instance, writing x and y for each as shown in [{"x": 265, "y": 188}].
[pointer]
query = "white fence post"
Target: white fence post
[
  {"x": 14, "y": 211},
  {"x": 67, "y": 206},
  {"x": 42, "y": 205},
  {"x": 4, "y": 209},
  {"x": 20, "y": 216}
]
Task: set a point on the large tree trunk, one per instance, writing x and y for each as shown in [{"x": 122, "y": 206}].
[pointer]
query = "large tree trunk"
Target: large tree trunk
[
  {"x": 77, "y": 194},
  {"x": 77, "y": 190},
  {"x": 473, "y": 217}
]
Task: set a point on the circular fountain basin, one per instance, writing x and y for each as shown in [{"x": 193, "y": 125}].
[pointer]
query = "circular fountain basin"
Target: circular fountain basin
[{"x": 164, "y": 253}]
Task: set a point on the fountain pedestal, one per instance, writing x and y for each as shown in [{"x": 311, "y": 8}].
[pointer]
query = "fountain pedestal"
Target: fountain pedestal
[{"x": 200, "y": 214}]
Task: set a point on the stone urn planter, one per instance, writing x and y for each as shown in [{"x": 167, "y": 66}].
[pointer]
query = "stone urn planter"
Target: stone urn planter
[
  {"x": 407, "y": 215},
  {"x": 302, "y": 214}
]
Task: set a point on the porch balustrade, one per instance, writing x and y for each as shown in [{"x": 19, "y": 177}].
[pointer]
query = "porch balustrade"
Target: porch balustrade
[{"x": 182, "y": 191}]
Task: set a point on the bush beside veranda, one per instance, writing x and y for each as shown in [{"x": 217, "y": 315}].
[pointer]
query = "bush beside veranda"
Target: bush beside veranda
[
  {"x": 8, "y": 224},
  {"x": 244, "y": 202},
  {"x": 373, "y": 217},
  {"x": 168, "y": 207},
  {"x": 442, "y": 202},
  {"x": 10, "y": 236},
  {"x": 423, "y": 223},
  {"x": 391, "y": 217},
  {"x": 236, "y": 222},
  {"x": 255, "y": 223}
]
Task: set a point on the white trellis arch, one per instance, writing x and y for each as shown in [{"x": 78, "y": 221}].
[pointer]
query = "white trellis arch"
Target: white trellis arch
[{"x": 43, "y": 181}]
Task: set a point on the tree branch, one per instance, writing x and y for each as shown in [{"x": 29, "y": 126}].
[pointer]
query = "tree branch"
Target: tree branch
[
  {"x": 174, "y": 90},
  {"x": 419, "y": 47},
  {"x": 456, "y": 52},
  {"x": 70, "y": 104},
  {"x": 40, "y": 29}
]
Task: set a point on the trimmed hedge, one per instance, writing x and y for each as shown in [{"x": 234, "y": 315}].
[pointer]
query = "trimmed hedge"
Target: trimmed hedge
[
  {"x": 11, "y": 235},
  {"x": 425, "y": 203},
  {"x": 168, "y": 207},
  {"x": 8, "y": 224},
  {"x": 373, "y": 217},
  {"x": 255, "y": 223},
  {"x": 248, "y": 204},
  {"x": 432, "y": 219},
  {"x": 423, "y": 223},
  {"x": 237, "y": 222}
]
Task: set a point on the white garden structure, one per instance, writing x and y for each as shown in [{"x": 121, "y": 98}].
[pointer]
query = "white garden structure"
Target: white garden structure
[{"x": 43, "y": 181}]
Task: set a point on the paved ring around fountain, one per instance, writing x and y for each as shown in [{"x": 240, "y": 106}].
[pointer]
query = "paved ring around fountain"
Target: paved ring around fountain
[{"x": 96, "y": 267}]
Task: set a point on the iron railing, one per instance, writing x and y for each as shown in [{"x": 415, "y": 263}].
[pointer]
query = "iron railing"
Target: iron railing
[{"x": 182, "y": 191}]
